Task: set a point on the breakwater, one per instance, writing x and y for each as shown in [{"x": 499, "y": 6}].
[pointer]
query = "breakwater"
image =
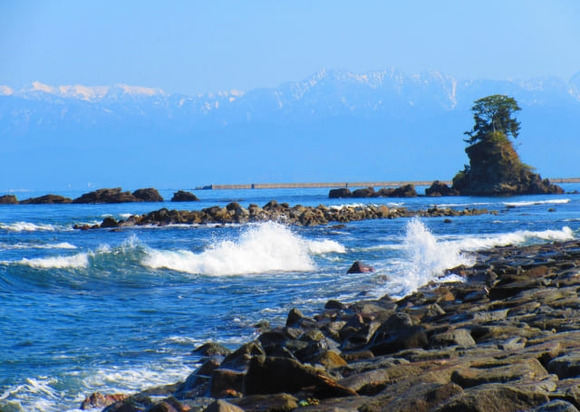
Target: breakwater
[{"x": 314, "y": 185}]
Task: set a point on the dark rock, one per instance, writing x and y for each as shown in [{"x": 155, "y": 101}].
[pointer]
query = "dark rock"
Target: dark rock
[
  {"x": 225, "y": 382},
  {"x": 168, "y": 405},
  {"x": 134, "y": 403},
  {"x": 282, "y": 375},
  {"x": 8, "y": 200},
  {"x": 494, "y": 397},
  {"x": 212, "y": 349},
  {"x": 221, "y": 405},
  {"x": 99, "y": 400},
  {"x": 45, "y": 200},
  {"x": 107, "y": 196},
  {"x": 280, "y": 402},
  {"x": 148, "y": 195},
  {"x": 334, "y": 304},
  {"x": 438, "y": 188},
  {"x": 565, "y": 366},
  {"x": 404, "y": 191},
  {"x": 340, "y": 193},
  {"x": 109, "y": 222},
  {"x": 183, "y": 196},
  {"x": 555, "y": 406},
  {"x": 364, "y": 193},
  {"x": 398, "y": 333},
  {"x": 359, "y": 267}
]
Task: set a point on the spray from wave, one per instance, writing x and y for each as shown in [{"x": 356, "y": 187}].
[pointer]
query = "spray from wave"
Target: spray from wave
[
  {"x": 261, "y": 248},
  {"x": 426, "y": 258}
]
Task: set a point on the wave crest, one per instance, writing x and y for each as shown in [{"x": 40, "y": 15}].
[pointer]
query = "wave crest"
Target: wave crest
[{"x": 261, "y": 248}]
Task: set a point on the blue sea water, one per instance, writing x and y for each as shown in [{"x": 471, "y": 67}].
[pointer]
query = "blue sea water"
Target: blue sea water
[{"x": 117, "y": 311}]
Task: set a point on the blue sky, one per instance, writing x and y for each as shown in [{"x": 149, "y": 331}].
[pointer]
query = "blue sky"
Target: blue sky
[{"x": 203, "y": 46}]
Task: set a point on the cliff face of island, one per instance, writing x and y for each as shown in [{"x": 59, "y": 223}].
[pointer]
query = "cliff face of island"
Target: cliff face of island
[{"x": 495, "y": 169}]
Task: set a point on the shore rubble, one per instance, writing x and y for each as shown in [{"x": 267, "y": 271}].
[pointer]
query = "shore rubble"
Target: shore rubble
[
  {"x": 505, "y": 339},
  {"x": 298, "y": 215}
]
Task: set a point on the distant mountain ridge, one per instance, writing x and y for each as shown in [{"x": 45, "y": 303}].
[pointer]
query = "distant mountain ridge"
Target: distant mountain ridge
[{"x": 265, "y": 133}]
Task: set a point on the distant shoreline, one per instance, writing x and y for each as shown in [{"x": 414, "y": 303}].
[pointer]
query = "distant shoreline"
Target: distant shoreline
[{"x": 346, "y": 184}]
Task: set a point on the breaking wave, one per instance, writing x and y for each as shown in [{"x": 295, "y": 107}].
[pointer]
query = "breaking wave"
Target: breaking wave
[{"x": 261, "y": 248}]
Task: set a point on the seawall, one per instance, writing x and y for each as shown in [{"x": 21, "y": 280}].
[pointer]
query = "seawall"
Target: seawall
[{"x": 313, "y": 185}]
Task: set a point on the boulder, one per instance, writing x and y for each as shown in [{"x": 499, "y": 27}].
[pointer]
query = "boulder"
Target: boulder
[
  {"x": 340, "y": 193},
  {"x": 99, "y": 400},
  {"x": 148, "y": 195},
  {"x": 359, "y": 267},
  {"x": 271, "y": 375},
  {"x": 45, "y": 200},
  {"x": 221, "y": 405},
  {"x": 183, "y": 196},
  {"x": 494, "y": 397}
]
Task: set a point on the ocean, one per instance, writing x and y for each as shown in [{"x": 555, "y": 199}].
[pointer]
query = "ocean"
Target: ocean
[{"x": 119, "y": 311}]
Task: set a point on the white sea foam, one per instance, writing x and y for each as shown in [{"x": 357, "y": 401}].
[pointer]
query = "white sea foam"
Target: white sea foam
[
  {"x": 520, "y": 237},
  {"x": 31, "y": 227},
  {"x": 19, "y": 246},
  {"x": 78, "y": 261},
  {"x": 261, "y": 248},
  {"x": 537, "y": 202}
]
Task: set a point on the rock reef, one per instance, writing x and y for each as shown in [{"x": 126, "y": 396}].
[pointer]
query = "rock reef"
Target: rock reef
[
  {"x": 299, "y": 215},
  {"x": 505, "y": 339}
]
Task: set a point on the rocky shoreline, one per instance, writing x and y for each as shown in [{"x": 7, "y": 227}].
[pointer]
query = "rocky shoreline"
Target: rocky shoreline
[
  {"x": 299, "y": 215},
  {"x": 505, "y": 339}
]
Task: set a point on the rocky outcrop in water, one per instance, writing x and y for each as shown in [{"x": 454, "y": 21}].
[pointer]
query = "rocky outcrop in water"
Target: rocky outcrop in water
[
  {"x": 183, "y": 196},
  {"x": 495, "y": 169},
  {"x": 8, "y": 200},
  {"x": 278, "y": 212},
  {"x": 46, "y": 199},
  {"x": 506, "y": 339},
  {"x": 369, "y": 192},
  {"x": 116, "y": 195}
]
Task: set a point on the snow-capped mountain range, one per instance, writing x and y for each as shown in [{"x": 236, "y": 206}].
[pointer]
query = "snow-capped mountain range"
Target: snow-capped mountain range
[{"x": 325, "y": 114}]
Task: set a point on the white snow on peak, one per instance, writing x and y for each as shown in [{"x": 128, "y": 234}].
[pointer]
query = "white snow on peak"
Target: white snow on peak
[
  {"x": 6, "y": 91},
  {"x": 87, "y": 93}
]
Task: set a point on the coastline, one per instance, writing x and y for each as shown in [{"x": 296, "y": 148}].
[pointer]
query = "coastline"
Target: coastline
[{"x": 507, "y": 338}]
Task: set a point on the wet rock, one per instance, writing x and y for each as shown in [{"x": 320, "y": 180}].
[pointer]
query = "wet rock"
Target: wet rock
[
  {"x": 212, "y": 349},
  {"x": 359, "y": 267},
  {"x": 99, "y": 400}
]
